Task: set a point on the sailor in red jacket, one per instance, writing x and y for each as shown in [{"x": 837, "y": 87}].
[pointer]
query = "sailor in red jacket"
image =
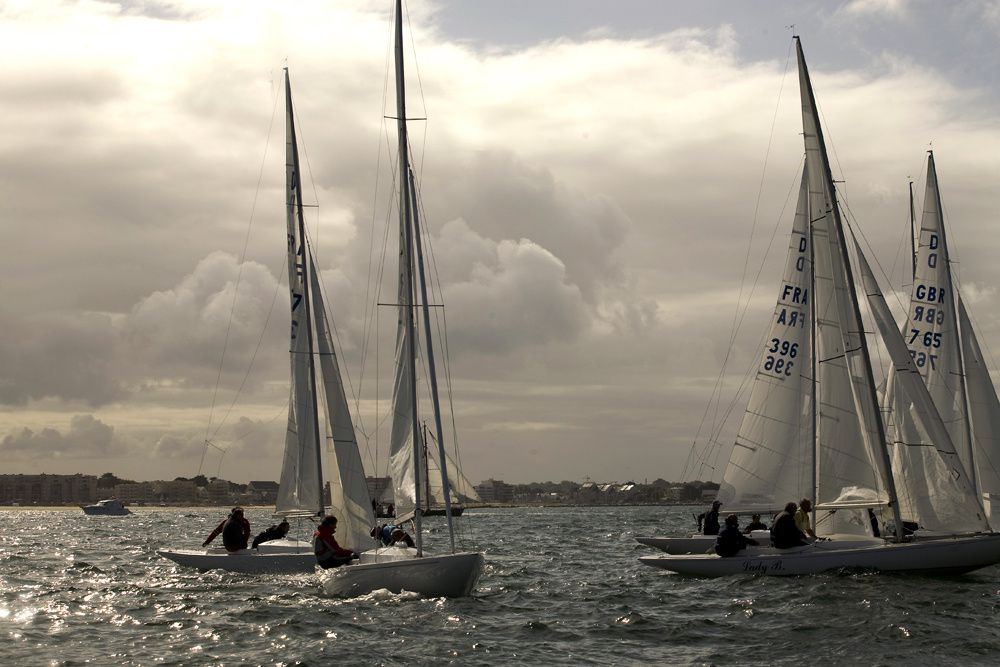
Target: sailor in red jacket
[
  {"x": 235, "y": 531},
  {"x": 328, "y": 552}
]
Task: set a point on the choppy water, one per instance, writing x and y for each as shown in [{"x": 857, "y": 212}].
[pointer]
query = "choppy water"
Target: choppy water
[{"x": 561, "y": 586}]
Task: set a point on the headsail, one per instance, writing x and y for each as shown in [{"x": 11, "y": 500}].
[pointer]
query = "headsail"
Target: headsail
[
  {"x": 772, "y": 459},
  {"x": 984, "y": 408},
  {"x": 348, "y": 489}
]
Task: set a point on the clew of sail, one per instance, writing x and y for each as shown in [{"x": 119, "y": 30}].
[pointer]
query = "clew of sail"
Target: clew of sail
[{"x": 772, "y": 458}]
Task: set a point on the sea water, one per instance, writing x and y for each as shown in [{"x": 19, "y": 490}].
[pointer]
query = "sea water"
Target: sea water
[{"x": 561, "y": 586}]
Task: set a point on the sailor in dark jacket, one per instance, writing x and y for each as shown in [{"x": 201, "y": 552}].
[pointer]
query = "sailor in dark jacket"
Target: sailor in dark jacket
[
  {"x": 784, "y": 533},
  {"x": 730, "y": 540},
  {"x": 708, "y": 522},
  {"x": 273, "y": 533},
  {"x": 235, "y": 531}
]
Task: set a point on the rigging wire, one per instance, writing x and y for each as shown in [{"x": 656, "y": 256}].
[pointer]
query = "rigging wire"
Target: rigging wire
[
  {"x": 239, "y": 276},
  {"x": 741, "y": 309}
]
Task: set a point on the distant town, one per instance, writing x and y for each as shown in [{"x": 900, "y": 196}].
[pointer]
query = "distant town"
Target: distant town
[{"x": 78, "y": 489}]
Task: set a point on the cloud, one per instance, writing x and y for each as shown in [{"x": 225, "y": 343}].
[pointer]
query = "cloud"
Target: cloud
[
  {"x": 884, "y": 7},
  {"x": 181, "y": 332},
  {"x": 515, "y": 293},
  {"x": 589, "y": 204},
  {"x": 69, "y": 356},
  {"x": 87, "y": 437}
]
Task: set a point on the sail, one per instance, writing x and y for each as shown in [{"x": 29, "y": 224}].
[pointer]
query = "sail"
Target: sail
[
  {"x": 458, "y": 484},
  {"x": 349, "y": 499},
  {"x": 772, "y": 459},
  {"x": 984, "y": 408},
  {"x": 931, "y": 480},
  {"x": 401, "y": 447},
  {"x": 850, "y": 443},
  {"x": 300, "y": 486},
  {"x": 932, "y": 323}
]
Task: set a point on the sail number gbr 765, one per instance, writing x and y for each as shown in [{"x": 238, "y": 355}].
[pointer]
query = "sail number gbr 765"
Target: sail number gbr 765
[{"x": 933, "y": 316}]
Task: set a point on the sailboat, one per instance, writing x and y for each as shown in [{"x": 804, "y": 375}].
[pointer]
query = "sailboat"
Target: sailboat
[
  {"x": 301, "y": 487},
  {"x": 772, "y": 455},
  {"x": 852, "y": 470},
  {"x": 944, "y": 346},
  {"x": 398, "y": 568},
  {"x": 432, "y": 503}
]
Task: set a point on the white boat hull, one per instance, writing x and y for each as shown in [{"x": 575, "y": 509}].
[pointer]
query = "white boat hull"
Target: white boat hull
[
  {"x": 106, "y": 508},
  {"x": 277, "y": 557},
  {"x": 694, "y": 544},
  {"x": 941, "y": 556},
  {"x": 399, "y": 569}
]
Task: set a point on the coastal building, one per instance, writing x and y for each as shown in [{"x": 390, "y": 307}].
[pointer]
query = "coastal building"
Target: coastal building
[
  {"x": 218, "y": 492},
  {"x": 495, "y": 491},
  {"x": 134, "y": 493},
  {"x": 48, "y": 489},
  {"x": 183, "y": 491},
  {"x": 262, "y": 492},
  {"x": 380, "y": 488}
]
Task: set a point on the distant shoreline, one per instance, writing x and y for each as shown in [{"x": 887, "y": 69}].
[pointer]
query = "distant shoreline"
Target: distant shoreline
[{"x": 165, "y": 508}]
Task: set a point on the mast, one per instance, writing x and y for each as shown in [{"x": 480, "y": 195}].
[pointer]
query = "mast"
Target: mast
[
  {"x": 405, "y": 222},
  {"x": 834, "y": 210},
  {"x": 814, "y": 363},
  {"x": 303, "y": 269},
  {"x": 432, "y": 372},
  {"x": 913, "y": 234}
]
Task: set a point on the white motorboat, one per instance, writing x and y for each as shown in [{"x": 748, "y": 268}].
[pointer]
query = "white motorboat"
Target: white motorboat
[
  {"x": 108, "y": 507},
  {"x": 840, "y": 422}
]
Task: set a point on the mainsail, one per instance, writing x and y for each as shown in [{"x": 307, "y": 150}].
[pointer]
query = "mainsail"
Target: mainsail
[
  {"x": 301, "y": 487},
  {"x": 851, "y": 458}
]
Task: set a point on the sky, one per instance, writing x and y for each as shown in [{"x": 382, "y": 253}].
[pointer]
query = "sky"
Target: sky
[{"x": 607, "y": 188}]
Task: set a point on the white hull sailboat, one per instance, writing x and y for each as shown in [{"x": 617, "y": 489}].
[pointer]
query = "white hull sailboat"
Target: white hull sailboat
[
  {"x": 399, "y": 569},
  {"x": 852, "y": 472},
  {"x": 944, "y": 556},
  {"x": 301, "y": 489},
  {"x": 410, "y": 569},
  {"x": 276, "y": 557}
]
